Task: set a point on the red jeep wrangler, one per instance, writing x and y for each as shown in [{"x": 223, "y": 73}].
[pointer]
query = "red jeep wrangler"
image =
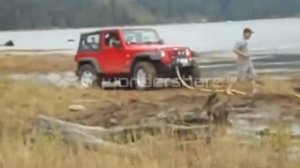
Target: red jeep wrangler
[{"x": 136, "y": 57}]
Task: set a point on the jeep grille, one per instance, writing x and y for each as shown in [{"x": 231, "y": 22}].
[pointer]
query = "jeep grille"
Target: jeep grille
[{"x": 174, "y": 53}]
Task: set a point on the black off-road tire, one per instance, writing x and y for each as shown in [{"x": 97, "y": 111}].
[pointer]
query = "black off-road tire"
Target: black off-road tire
[
  {"x": 89, "y": 68},
  {"x": 150, "y": 72}
]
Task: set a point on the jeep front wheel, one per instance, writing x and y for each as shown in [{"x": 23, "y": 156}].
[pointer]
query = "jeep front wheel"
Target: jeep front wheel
[
  {"x": 144, "y": 74},
  {"x": 88, "y": 76},
  {"x": 192, "y": 75}
]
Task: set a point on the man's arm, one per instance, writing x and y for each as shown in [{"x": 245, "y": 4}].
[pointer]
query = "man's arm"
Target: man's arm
[{"x": 237, "y": 50}]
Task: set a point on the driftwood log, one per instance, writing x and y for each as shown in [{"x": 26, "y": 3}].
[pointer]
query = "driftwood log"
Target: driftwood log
[
  {"x": 195, "y": 125},
  {"x": 95, "y": 136}
]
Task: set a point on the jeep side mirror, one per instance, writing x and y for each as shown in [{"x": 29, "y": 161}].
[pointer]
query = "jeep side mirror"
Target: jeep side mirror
[{"x": 161, "y": 41}]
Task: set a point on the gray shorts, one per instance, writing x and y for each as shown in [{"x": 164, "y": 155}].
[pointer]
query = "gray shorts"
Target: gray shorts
[{"x": 246, "y": 71}]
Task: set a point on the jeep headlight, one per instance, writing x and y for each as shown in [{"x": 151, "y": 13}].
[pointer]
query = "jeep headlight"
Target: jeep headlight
[
  {"x": 163, "y": 53},
  {"x": 187, "y": 52}
]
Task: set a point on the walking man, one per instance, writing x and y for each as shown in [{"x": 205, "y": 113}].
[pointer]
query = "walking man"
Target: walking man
[{"x": 245, "y": 68}]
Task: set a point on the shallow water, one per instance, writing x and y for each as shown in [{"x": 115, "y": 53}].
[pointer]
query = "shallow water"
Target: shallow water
[
  {"x": 284, "y": 36},
  {"x": 259, "y": 123},
  {"x": 66, "y": 79}
]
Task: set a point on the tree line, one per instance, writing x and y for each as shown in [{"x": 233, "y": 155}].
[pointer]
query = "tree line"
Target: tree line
[{"x": 40, "y": 14}]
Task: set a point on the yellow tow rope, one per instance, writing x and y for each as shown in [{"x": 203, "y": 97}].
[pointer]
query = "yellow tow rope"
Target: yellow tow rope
[{"x": 181, "y": 80}]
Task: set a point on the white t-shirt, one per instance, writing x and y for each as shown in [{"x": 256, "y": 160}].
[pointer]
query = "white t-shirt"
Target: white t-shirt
[{"x": 242, "y": 46}]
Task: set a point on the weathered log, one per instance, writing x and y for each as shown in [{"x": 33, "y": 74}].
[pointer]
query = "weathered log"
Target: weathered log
[
  {"x": 217, "y": 110},
  {"x": 93, "y": 136}
]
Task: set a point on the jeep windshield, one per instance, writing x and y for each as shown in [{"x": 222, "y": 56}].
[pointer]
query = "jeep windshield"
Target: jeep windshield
[{"x": 141, "y": 36}]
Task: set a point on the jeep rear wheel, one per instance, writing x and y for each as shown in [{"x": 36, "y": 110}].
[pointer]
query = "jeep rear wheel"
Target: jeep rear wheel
[
  {"x": 144, "y": 74},
  {"x": 88, "y": 76}
]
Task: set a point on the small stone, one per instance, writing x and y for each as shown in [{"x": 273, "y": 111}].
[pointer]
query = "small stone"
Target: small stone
[
  {"x": 113, "y": 121},
  {"x": 77, "y": 107}
]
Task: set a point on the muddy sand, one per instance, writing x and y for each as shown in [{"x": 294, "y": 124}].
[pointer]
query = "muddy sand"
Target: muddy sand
[
  {"x": 276, "y": 101},
  {"x": 134, "y": 110}
]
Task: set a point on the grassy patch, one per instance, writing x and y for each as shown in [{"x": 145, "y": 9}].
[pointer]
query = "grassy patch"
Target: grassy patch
[
  {"x": 31, "y": 64},
  {"x": 20, "y": 102},
  {"x": 222, "y": 153}
]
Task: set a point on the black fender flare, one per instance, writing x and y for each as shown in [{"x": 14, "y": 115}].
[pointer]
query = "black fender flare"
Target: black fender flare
[
  {"x": 146, "y": 56},
  {"x": 91, "y": 61}
]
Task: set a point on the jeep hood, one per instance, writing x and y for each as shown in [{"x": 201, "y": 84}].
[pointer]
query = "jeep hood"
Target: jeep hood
[{"x": 155, "y": 47}]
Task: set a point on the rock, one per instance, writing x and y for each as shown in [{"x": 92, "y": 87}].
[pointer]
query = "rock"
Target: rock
[
  {"x": 113, "y": 121},
  {"x": 171, "y": 115},
  {"x": 172, "y": 112},
  {"x": 77, "y": 107},
  {"x": 9, "y": 43}
]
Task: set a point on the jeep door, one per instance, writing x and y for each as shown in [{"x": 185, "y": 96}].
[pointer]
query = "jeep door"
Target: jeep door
[
  {"x": 113, "y": 52},
  {"x": 90, "y": 49}
]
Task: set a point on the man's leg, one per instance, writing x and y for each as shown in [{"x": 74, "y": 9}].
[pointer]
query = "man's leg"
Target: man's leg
[
  {"x": 254, "y": 89},
  {"x": 252, "y": 74},
  {"x": 230, "y": 86},
  {"x": 241, "y": 73}
]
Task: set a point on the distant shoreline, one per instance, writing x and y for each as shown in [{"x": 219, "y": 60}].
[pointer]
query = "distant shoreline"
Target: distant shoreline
[
  {"x": 143, "y": 25},
  {"x": 203, "y": 38}
]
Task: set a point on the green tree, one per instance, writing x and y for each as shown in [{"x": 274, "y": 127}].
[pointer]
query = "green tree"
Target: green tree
[{"x": 36, "y": 14}]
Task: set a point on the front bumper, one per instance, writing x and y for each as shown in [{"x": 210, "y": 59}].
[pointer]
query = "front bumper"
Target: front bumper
[
  {"x": 168, "y": 71},
  {"x": 182, "y": 62}
]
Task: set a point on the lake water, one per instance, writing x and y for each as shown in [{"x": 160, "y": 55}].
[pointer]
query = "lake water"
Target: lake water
[{"x": 280, "y": 35}]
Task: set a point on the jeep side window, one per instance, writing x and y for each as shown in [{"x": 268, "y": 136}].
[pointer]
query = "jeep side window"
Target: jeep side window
[
  {"x": 112, "y": 39},
  {"x": 90, "y": 42}
]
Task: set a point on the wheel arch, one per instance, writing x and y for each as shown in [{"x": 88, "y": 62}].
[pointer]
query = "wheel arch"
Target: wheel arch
[
  {"x": 152, "y": 57},
  {"x": 91, "y": 61}
]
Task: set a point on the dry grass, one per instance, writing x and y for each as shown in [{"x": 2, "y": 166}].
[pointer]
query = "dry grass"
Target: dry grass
[
  {"x": 20, "y": 102},
  {"x": 268, "y": 85},
  {"x": 221, "y": 154},
  {"x": 41, "y": 64}
]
